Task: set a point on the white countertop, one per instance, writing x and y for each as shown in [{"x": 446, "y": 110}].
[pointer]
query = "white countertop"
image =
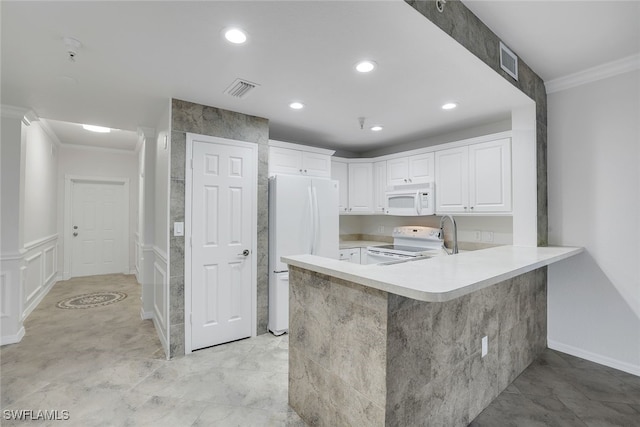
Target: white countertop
[
  {"x": 440, "y": 278},
  {"x": 349, "y": 244}
]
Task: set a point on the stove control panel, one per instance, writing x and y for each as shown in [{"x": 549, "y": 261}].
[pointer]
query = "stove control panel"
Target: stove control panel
[{"x": 417, "y": 232}]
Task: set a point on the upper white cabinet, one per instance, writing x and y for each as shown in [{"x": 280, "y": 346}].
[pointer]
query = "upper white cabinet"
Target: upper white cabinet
[
  {"x": 355, "y": 182},
  {"x": 474, "y": 178},
  {"x": 340, "y": 172},
  {"x": 379, "y": 186},
  {"x": 293, "y": 159},
  {"x": 416, "y": 169},
  {"x": 361, "y": 187}
]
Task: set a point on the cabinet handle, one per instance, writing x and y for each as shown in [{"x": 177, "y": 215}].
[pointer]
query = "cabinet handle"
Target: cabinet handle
[
  {"x": 410, "y": 180},
  {"x": 465, "y": 208},
  {"x": 300, "y": 170},
  {"x": 405, "y": 180},
  {"x": 471, "y": 207},
  {"x": 305, "y": 171}
]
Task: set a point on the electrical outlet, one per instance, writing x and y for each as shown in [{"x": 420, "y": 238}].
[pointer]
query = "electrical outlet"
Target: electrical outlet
[
  {"x": 477, "y": 235},
  {"x": 485, "y": 346},
  {"x": 487, "y": 236},
  {"x": 381, "y": 229}
]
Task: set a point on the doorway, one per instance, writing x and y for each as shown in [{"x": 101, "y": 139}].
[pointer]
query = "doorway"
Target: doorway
[
  {"x": 96, "y": 239},
  {"x": 220, "y": 250}
]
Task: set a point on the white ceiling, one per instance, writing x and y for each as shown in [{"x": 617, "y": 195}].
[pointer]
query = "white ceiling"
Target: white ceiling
[
  {"x": 558, "y": 38},
  {"x": 137, "y": 55}
]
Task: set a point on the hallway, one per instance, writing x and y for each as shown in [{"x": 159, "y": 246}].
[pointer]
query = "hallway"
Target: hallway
[{"x": 106, "y": 367}]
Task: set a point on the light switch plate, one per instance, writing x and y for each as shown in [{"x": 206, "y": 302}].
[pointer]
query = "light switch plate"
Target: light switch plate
[
  {"x": 485, "y": 346},
  {"x": 178, "y": 228}
]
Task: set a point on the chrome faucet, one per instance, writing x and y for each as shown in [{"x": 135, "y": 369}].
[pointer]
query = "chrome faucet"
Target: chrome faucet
[{"x": 455, "y": 233}]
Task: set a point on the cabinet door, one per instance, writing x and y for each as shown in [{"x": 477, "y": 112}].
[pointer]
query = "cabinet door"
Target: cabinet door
[
  {"x": 360, "y": 187},
  {"x": 340, "y": 172},
  {"x": 350, "y": 255},
  {"x": 398, "y": 171},
  {"x": 421, "y": 168},
  {"x": 452, "y": 180},
  {"x": 285, "y": 161},
  {"x": 490, "y": 176},
  {"x": 316, "y": 164},
  {"x": 379, "y": 186}
]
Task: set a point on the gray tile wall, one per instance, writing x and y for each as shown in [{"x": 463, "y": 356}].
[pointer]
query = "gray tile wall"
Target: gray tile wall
[
  {"x": 195, "y": 118},
  {"x": 364, "y": 357},
  {"x": 463, "y": 26}
]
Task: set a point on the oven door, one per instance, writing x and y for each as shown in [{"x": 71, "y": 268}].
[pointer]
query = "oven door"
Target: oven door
[{"x": 377, "y": 256}]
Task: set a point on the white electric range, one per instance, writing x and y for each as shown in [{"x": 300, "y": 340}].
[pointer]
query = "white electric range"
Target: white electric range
[{"x": 408, "y": 242}]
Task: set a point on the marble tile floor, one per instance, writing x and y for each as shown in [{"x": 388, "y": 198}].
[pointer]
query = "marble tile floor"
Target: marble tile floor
[{"x": 107, "y": 368}]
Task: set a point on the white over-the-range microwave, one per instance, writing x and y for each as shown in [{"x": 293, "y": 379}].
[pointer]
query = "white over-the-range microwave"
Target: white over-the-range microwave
[{"x": 410, "y": 200}]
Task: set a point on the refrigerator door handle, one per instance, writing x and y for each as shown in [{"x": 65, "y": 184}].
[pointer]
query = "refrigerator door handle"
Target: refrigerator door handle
[{"x": 311, "y": 217}]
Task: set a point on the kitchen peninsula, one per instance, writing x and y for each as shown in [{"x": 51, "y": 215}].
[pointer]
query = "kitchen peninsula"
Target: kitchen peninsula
[{"x": 402, "y": 344}]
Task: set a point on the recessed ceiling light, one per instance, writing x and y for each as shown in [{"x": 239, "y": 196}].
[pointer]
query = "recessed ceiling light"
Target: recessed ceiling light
[
  {"x": 376, "y": 128},
  {"x": 365, "y": 66},
  {"x": 99, "y": 129},
  {"x": 235, "y": 35},
  {"x": 449, "y": 106},
  {"x": 297, "y": 105}
]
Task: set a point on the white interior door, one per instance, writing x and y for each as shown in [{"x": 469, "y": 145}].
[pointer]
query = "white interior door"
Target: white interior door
[
  {"x": 222, "y": 212},
  {"x": 97, "y": 227}
]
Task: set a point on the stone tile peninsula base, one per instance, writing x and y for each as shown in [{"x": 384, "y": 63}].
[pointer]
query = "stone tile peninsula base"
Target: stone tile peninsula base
[{"x": 362, "y": 356}]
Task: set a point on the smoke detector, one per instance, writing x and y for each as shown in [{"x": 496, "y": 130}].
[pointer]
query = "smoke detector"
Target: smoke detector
[{"x": 72, "y": 46}]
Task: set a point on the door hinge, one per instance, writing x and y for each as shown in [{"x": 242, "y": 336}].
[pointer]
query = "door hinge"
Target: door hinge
[
  {"x": 190, "y": 319},
  {"x": 191, "y": 163},
  {"x": 190, "y": 242}
]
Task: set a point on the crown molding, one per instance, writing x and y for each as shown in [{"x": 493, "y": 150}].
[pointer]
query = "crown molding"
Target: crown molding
[
  {"x": 589, "y": 75},
  {"x": 98, "y": 149},
  {"x": 11, "y": 112},
  {"x": 46, "y": 127}
]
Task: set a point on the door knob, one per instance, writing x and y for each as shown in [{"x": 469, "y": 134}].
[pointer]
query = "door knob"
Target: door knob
[
  {"x": 75, "y": 234},
  {"x": 244, "y": 253}
]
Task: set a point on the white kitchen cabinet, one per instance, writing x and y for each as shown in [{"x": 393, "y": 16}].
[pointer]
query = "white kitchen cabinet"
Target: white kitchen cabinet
[
  {"x": 361, "y": 187},
  {"x": 379, "y": 186},
  {"x": 490, "y": 176},
  {"x": 474, "y": 178},
  {"x": 355, "y": 182},
  {"x": 416, "y": 169},
  {"x": 293, "y": 159},
  {"x": 340, "y": 172},
  {"x": 350, "y": 255}
]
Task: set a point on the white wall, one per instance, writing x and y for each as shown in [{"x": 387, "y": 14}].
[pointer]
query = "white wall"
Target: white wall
[
  {"x": 91, "y": 162},
  {"x": 40, "y": 185},
  {"x": 594, "y": 201}
]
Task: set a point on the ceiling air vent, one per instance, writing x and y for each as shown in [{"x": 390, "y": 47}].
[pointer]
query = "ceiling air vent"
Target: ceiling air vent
[
  {"x": 240, "y": 88},
  {"x": 508, "y": 61}
]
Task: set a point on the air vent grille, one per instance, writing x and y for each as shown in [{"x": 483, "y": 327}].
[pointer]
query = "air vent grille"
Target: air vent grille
[
  {"x": 508, "y": 61},
  {"x": 240, "y": 88}
]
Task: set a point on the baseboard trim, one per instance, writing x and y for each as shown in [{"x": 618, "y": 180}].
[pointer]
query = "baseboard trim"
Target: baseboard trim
[
  {"x": 593, "y": 357},
  {"x": 145, "y": 315},
  {"x": 36, "y": 302},
  {"x": 12, "y": 339},
  {"x": 163, "y": 339}
]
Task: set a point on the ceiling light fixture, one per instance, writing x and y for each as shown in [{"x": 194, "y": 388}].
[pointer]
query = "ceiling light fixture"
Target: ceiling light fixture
[
  {"x": 98, "y": 129},
  {"x": 376, "y": 128},
  {"x": 235, "y": 36},
  {"x": 449, "y": 106},
  {"x": 296, "y": 105},
  {"x": 365, "y": 66}
]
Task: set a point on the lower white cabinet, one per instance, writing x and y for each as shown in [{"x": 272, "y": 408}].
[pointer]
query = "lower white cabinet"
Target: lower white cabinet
[{"x": 350, "y": 255}]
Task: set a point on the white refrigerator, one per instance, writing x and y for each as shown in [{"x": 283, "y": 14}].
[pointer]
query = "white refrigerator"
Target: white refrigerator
[{"x": 303, "y": 219}]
